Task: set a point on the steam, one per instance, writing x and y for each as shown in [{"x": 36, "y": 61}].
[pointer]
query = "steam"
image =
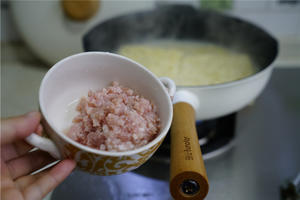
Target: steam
[{"x": 180, "y": 22}]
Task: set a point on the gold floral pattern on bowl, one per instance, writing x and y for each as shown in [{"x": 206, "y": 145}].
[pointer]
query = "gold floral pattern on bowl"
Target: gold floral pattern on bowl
[{"x": 107, "y": 165}]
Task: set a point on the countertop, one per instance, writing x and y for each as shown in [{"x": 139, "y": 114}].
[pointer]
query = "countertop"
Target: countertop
[{"x": 266, "y": 151}]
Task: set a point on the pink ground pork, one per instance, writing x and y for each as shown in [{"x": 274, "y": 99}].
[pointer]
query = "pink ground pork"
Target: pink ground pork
[{"x": 115, "y": 119}]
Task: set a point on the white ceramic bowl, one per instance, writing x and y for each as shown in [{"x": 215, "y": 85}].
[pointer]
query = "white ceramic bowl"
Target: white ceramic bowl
[{"x": 69, "y": 80}]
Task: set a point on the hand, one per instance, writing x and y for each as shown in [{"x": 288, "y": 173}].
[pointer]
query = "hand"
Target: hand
[{"x": 17, "y": 162}]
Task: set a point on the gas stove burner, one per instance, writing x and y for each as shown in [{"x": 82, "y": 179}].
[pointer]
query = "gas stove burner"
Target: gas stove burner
[{"x": 215, "y": 137}]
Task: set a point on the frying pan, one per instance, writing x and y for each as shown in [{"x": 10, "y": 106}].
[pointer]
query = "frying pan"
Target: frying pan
[{"x": 188, "y": 178}]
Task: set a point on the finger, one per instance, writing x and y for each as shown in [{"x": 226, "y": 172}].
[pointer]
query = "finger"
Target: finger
[
  {"x": 16, "y": 149},
  {"x": 6, "y": 180},
  {"x": 29, "y": 163},
  {"x": 25, "y": 181},
  {"x": 11, "y": 193},
  {"x": 19, "y": 127},
  {"x": 7, "y": 185},
  {"x": 42, "y": 186},
  {"x": 39, "y": 130}
]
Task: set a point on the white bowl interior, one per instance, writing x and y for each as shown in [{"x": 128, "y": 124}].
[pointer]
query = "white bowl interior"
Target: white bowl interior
[{"x": 72, "y": 78}]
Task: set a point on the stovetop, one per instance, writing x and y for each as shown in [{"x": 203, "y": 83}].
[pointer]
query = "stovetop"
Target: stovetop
[
  {"x": 265, "y": 154},
  {"x": 216, "y": 136}
]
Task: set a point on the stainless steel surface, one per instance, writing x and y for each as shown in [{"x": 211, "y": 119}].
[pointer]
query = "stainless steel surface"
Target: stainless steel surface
[{"x": 266, "y": 154}]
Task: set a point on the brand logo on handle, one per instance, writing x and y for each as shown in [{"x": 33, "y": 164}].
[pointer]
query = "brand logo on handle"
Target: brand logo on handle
[{"x": 187, "y": 149}]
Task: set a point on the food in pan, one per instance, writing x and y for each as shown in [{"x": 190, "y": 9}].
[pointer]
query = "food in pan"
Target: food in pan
[{"x": 191, "y": 63}]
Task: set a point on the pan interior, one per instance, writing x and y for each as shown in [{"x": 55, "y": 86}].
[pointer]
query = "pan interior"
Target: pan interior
[{"x": 184, "y": 23}]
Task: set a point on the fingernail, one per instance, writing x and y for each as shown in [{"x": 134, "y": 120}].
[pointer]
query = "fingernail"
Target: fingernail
[{"x": 32, "y": 114}]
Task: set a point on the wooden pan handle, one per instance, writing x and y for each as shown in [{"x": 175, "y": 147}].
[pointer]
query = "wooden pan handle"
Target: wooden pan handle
[
  {"x": 188, "y": 179},
  {"x": 80, "y": 10}
]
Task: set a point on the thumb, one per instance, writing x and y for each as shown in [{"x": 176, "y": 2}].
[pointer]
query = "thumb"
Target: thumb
[{"x": 16, "y": 128}]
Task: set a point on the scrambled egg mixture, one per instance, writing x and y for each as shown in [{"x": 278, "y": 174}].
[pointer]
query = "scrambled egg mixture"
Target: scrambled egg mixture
[{"x": 191, "y": 64}]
